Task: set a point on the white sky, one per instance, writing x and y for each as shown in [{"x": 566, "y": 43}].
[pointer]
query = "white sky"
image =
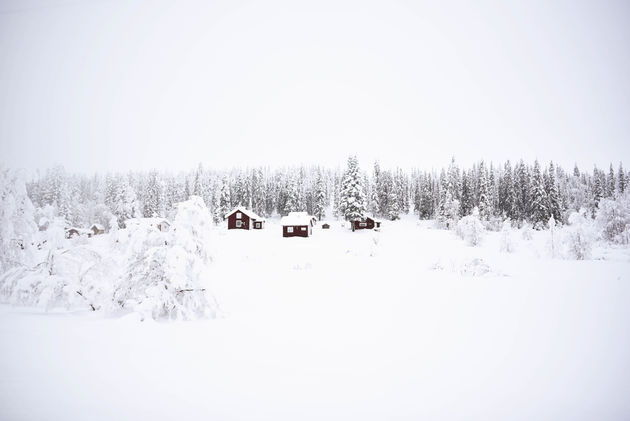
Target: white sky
[{"x": 116, "y": 85}]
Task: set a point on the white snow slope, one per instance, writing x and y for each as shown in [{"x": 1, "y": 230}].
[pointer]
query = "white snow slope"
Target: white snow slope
[{"x": 403, "y": 324}]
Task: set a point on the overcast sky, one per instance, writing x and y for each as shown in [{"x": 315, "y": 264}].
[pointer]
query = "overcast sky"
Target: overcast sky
[{"x": 117, "y": 85}]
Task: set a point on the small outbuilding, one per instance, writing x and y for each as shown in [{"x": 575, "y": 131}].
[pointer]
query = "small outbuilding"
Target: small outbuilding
[
  {"x": 161, "y": 224},
  {"x": 325, "y": 225},
  {"x": 241, "y": 218},
  {"x": 365, "y": 223},
  {"x": 297, "y": 224},
  {"x": 72, "y": 232},
  {"x": 96, "y": 229}
]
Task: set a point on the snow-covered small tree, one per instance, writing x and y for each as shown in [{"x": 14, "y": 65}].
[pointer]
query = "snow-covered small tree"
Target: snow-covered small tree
[
  {"x": 168, "y": 276},
  {"x": 470, "y": 228},
  {"x": 579, "y": 235},
  {"x": 613, "y": 219}
]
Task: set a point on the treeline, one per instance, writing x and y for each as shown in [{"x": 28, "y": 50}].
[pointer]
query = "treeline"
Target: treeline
[{"x": 520, "y": 192}]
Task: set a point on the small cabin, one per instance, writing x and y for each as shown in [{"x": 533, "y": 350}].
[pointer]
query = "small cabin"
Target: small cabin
[
  {"x": 96, "y": 229},
  {"x": 241, "y": 218},
  {"x": 297, "y": 224},
  {"x": 365, "y": 223},
  {"x": 72, "y": 232},
  {"x": 161, "y": 224},
  {"x": 325, "y": 226}
]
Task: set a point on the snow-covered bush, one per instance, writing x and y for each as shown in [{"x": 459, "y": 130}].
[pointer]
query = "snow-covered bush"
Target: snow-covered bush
[
  {"x": 72, "y": 278},
  {"x": 579, "y": 235},
  {"x": 470, "y": 228},
  {"x": 166, "y": 277},
  {"x": 613, "y": 219},
  {"x": 507, "y": 237}
]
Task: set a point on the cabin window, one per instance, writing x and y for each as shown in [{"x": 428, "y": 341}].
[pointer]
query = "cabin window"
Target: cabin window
[
  {"x": 303, "y": 228},
  {"x": 239, "y": 224},
  {"x": 362, "y": 224},
  {"x": 289, "y": 229},
  {"x": 238, "y": 215}
]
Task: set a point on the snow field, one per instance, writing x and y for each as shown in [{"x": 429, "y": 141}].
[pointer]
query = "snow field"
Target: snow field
[{"x": 405, "y": 323}]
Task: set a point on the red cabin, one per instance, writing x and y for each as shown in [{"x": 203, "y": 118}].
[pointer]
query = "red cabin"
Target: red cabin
[
  {"x": 297, "y": 224},
  {"x": 365, "y": 223},
  {"x": 241, "y": 218}
]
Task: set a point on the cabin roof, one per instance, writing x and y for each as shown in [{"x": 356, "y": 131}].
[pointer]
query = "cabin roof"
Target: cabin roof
[
  {"x": 247, "y": 212},
  {"x": 296, "y": 218}
]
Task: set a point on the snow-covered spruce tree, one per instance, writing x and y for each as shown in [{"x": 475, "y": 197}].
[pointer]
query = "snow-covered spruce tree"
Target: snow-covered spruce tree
[
  {"x": 522, "y": 187},
  {"x": 153, "y": 196},
  {"x": 466, "y": 203},
  {"x": 485, "y": 205},
  {"x": 167, "y": 278},
  {"x": 352, "y": 197},
  {"x": 292, "y": 203},
  {"x": 621, "y": 180},
  {"x": 17, "y": 220},
  {"x": 551, "y": 191},
  {"x": 320, "y": 196},
  {"x": 539, "y": 211},
  {"x": 507, "y": 237},
  {"x": 610, "y": 182}
]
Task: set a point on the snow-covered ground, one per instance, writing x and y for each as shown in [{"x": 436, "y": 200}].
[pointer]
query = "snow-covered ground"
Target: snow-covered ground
[{"x": 407, "y": 323}]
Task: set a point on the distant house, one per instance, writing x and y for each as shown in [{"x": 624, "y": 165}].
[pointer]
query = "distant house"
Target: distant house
[
  {"x": 161, "y": 224},
  {"x": 325, "y": 225},
  {"x": 241, "y": 218},
  {"x": 96, "y": 229},
  {"x": 297, "y": 224},
  {"x": 72, "y": 232},
  {"x": 365, "y": 223}
]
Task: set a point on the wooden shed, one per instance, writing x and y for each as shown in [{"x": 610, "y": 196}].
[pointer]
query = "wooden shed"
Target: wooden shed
[
  {"x": 97, "y": 229},
  {"x": 241, "y": 218},
  {"x": 297, "y": 224},
  {"x": 365, "y": 223}
]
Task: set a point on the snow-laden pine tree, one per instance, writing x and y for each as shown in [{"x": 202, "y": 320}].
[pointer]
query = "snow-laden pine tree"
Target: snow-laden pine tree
[
  {"x": 153, "y": 196},
  {"x": 17, "y": 219},
  {"x": 292, "y": 203},
  {"x": 320, "y": 197},
  {"x": 610, "y": 182},
  {"x": 485, "y": 205},
  {"x": 522, "y": 187},
  {"x": 621, "y": 180},
  {"x": 551, "y": 189},
  {"x": 539, "y": 209},
  {"x": 352, "y": 197},
  {"x": 467, "y": 200},
  {"x": 224, "y": 198}
]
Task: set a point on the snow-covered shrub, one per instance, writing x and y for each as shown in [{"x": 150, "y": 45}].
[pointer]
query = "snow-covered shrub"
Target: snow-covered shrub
[
  {"x": 72, "y": 278},
  {"x": 507, "y": 237},
  {"x": 579, "y": 235},
  {"x": 166, "y": 277},
  {"x": 494, "y": 223},
  {"x": 613, "y": 219},
  {"x": 470, "y": 228}
]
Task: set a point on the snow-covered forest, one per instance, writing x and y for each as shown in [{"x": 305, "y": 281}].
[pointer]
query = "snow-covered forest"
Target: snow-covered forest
[
  {"x": 160, "y": 273},
  {"x": 522, "y": 192}
]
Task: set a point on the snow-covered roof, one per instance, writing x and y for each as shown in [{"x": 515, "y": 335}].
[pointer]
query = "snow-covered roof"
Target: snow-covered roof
[
  {"x": 296, "y": 218},
  {"x": 147, "y": 221},
  {"x": 98, "y": 227},
  {"x": 247, "y": 212}
]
